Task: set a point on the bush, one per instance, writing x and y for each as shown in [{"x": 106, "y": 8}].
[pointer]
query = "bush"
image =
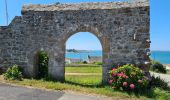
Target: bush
[
  {"x": 85, "y": 62},
  {"x": 13, "y": 73},
  {"x": 157, "y": 82},
  {"x": 98, "y": 63},
  {"x": 43, "y": 64},
  {"x": 128, "y": 78},
  {"x": 157, "y": 67},
  {"x": 1, "y": 71}
]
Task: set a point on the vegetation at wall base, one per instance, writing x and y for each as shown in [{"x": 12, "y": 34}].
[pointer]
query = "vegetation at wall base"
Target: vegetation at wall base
[
  {"x": 157, "y": 89},
  {"x": 153, "y": 94},
  {"x": 13, "y": 73},
  {"x": 157, "y": 82},
  {"x": 128, "y": 78},
  {"x": 42, "y": 64}
]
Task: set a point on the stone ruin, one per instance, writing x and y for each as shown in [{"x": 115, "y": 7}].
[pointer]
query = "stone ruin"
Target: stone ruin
[{"x": 122, "y": 28}]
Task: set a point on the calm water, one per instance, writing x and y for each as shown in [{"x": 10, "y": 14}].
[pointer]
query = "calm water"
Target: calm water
[
  {"x": 84, "y": 55},
  {"x": 161, "y": 56}
]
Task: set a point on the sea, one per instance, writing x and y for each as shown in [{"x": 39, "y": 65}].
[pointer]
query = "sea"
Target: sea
[{"x": 161, "y": 56}]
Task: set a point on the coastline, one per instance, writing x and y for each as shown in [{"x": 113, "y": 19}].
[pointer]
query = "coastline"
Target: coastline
[{"x": 167, "y": 66}]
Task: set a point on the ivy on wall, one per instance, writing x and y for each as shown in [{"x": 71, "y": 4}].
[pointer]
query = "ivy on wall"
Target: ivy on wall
[{"x": 43, "y": 64}]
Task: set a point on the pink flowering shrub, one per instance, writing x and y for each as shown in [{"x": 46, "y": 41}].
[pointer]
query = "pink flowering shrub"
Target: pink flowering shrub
[{"x": 128, "y": 78}]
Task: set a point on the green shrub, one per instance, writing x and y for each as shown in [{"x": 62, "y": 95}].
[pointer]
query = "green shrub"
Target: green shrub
[
  {"x": 85, "y": 62},
  {"x": 13, "y": 73},
  {"x": 43, "y": 64},
  {"x": 157, "y": 82},
  {"x": 157, "y": 67},
  {"x": 98, "y": 63},
  {"x": 1, "y": 71},
  {"x": 128, "y": 78},
  {"x": 78, "y": 62}
]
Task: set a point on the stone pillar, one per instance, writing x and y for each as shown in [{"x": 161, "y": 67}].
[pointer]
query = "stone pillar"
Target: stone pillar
[
  {"x": 56, "y": 68},
  {"x": 104, "y": 74}
]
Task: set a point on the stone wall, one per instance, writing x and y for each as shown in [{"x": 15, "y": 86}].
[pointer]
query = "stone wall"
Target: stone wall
[{"x": 47, "y": 27}]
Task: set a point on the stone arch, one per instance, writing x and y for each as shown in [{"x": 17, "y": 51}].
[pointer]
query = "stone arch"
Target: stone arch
[
  {"x": 59, "y": 72},
  {"x": 95, "y": 31},
  {"x": 32, "y": 63},
  {"x": 33, "y": 59}
]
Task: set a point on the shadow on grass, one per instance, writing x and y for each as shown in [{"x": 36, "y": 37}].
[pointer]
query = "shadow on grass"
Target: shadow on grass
[
  {"x": 86, "y": 85},
  {"x": 100, "y": 85}
]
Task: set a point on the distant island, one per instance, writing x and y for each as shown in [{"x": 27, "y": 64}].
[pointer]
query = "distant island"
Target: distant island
[{"x": 77, "y": 51}]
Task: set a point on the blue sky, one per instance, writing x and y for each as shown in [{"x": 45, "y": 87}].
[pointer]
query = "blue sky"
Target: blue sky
[
  {"x": 83, "y": 41},
  {"x": 160, "y": 23}
]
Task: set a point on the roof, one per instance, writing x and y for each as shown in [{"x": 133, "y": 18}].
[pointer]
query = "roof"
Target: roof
[{"x": 83, "y": 6}]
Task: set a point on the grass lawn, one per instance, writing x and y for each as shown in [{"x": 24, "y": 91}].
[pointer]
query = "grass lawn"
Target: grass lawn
[
  {"x": 86, "y": 80},
  {"x": 88, "y": 69},
  {"x": 89, "y": 80}
]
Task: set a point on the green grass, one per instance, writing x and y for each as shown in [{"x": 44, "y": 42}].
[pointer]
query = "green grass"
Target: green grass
[
  {"x": 87, "y": 80},
  {"x": 100, "y": 90},
  {"x": 161, "y": 94},
  {"x": 90, "y": 80},
  {"x": 89, "y": 69},
  {"x": 156, "y": 94},
  {"x": 92, "y": 85},
  {"x": 82, "y": 65}
]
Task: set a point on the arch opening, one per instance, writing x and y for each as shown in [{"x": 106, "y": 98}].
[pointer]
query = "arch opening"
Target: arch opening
[
  {"x": 83, "y": 59},
  {"x": 41, "y": 60}
]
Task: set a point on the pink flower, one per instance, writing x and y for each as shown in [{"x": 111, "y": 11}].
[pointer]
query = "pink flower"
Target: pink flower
[
  {"x": 125, "y": 84},
  {"x": 139, "y": 81},
  {"x": 114, "y": 75},
  {"x": 132, "y": 86},
  {"x": 127, "y": 77},
  {"x": 110, "y": 82},
  {"x": 113, "y": 68},
  {"x": 124, "y": 76},
  {"x": 120, "y": 74}
]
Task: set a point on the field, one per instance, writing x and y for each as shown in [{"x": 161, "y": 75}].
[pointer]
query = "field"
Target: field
[
  {"x": 83, "y": 69},
  {"x": 81, "y": 76}
]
